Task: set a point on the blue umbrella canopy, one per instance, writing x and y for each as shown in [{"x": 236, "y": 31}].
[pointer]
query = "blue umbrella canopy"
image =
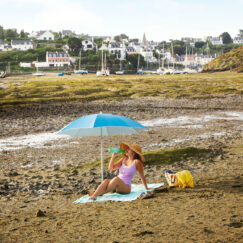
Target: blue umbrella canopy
[
  {"x": 91, "y": 125},
  {"x": 101, "y": 125}
]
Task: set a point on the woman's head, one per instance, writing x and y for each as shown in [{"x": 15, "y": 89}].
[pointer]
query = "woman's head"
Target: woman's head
[{"x": 133, "y": 150}]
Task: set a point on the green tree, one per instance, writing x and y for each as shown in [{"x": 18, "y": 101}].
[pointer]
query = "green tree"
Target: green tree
[
  {"x": 179, "y": 50},
  {"x": 117, "y": 38},
  {"x": 23, "y": 34},
  {"x": 133, "y": 59},
  {"x": 226, "y": 38},
  {"x": 1, "y": 33},
  {"x": 98, "y": 42},
  {"x": 75, "y": 44},
  {"x": 124, "y": 36},
  {"x": 241, "y": 33},
  {"x": 11, "y": 34},
  {"x": 199, "y": 44}
]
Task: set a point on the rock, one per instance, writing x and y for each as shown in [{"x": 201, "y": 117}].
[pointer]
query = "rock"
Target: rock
[
  {"x": 40, "y": 213},
  {"x": 75, "y": 172},
  {"x": 13, "y": 173}
]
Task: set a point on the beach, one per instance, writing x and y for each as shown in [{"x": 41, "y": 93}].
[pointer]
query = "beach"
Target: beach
[{"x": 43, "y": 173}]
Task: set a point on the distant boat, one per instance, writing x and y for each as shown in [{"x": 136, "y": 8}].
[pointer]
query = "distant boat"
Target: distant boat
[
  {"x": 80, "y": 71},
  {"x": 104, "y": 71},
  {"x": 2, "y": 74},
  {"x": 60, "y": 74},
  {"x": 139, "y": 70},
  {"x": 120, "y": 72},
  {"x": 37, "y": 73}
]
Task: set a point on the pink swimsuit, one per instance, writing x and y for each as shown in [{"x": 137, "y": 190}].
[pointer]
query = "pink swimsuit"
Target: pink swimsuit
[{"x": 126, "y": 173}]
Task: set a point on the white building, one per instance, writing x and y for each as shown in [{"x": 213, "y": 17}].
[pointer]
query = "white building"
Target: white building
[
  {"x": 88, "y": 45},
  {"x": 21, "y": 45},
  {"x": 216, "y": 40},
  {"x": 42, "y": 35},
  {"x": 238, "y": 40},
  {"x": 147, "y": 54},
  {"x": 117, "y": 49},
  {"x": 5, "y": 46}
]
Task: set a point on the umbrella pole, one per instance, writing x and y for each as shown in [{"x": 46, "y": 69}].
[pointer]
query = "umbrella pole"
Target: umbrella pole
[{"x": 101, "y": 154}]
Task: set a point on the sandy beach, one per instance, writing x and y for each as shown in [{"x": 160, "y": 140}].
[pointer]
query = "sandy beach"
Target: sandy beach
[{"x": 40, "y": 173}]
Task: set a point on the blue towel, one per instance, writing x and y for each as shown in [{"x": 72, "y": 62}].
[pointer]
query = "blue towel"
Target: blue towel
[{"x": 136, "y": 191}]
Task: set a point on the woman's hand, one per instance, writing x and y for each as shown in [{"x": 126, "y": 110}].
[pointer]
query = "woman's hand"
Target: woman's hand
[{"x": 114, "y": 155}]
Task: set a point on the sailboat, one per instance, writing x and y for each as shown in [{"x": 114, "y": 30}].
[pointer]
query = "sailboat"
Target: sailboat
[
  {"x": 104, "y": 71},
  {"x": 120, "y": 72},
  {"x": 161, "y": 70},
  {"x": 186, "y": 69},
  {"x": 139, "y": 71},
  {"x": 37, "y": 73},
  {"x": 80, "y": 71}
]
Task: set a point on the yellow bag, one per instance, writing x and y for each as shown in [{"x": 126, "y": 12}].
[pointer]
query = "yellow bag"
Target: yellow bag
[{"x": 185, "y": 179}]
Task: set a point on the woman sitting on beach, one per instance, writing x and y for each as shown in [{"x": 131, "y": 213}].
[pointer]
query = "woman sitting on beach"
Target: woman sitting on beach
[{"x": 131, "y": 162}]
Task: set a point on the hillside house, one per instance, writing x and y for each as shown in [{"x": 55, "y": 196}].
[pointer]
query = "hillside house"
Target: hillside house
[
  {"x": 238, "y": 40},
  {"x": 58, "y": 59},
  {"x": 67, "y": 33},
  {"x": 117, "y": 49},
  {"x": 22, "y": 45},
  {"x": 42, "y": 35},
  {"x": 216, "y": 40},
  {"x": 88, "y": 44},
  {"x": 5, "y": 46},
  {"x": 130, "y": 50}
]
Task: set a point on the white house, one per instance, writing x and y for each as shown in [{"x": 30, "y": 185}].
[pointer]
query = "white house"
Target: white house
[
  {"x": 21, "y": 45},
  {"x": 238, "y": 40},
  {"x": 58, "y": 59},
  {"x": 117, "y": 49},
  {"x": 88, "y": 45},
  {"x": 5, "y": 46},
  {"x": 147, "y": 54},
  {"x": 42, "y": 35},
  {"x": 216, "y": 40}
]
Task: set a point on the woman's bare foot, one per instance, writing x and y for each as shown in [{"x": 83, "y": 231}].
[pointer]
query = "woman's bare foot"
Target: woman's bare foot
[
  {"x": 93, "y": 197},
  {"x": 90, "y": 193}
]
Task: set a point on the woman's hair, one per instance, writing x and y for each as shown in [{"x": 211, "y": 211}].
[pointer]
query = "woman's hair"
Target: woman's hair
[{"x": 136, "y": 156}]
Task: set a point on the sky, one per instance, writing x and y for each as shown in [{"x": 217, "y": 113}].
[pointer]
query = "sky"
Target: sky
[{"x": 158, "y": 19}]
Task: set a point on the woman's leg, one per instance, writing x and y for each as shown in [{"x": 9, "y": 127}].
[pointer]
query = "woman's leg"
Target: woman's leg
[
  {"x": 100, "y": 190},
  {"x": 117, "y": 185}
]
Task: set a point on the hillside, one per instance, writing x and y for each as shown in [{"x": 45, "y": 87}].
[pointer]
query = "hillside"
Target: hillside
[{"x": 232, "y": 60}]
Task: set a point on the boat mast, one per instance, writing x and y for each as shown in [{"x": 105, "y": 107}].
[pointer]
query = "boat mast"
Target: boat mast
[
  {"x": 172, "y": 53},
  {"x": 102, "y": 67},
  {"x": 186, "y": 58},
  {"x": 79, "y": 64},
  {"x": 163, "y": 58},
  {"x": 138, "y": 61}
]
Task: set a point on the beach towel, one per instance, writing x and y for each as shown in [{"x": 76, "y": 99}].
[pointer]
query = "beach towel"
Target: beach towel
[{"x": 136, "y": 191}]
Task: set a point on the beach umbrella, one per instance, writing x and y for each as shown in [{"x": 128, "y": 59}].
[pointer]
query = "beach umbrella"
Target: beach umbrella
[{"x": 101, "y": 125}]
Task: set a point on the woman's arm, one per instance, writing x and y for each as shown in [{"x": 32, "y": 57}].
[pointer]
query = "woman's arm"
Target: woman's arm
[
  {"x": 139, "y": 166},
  {"x": 113, "y": 166}
]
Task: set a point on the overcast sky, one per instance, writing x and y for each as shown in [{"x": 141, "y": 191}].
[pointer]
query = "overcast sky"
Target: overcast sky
[{"x": 158, "y": 19}]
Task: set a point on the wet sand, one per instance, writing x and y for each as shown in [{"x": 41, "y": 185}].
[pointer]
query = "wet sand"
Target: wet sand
[{"x": 37, "y": 176}]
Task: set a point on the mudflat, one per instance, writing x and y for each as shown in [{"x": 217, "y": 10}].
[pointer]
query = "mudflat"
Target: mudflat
[{"x": 41, "y": 175}]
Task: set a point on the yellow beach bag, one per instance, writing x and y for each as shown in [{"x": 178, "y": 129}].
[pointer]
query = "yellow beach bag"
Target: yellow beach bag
[{"x": 185, "y": 179}]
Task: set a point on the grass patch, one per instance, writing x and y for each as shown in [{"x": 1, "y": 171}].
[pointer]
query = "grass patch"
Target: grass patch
[{"x": 28, "y": 90}]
